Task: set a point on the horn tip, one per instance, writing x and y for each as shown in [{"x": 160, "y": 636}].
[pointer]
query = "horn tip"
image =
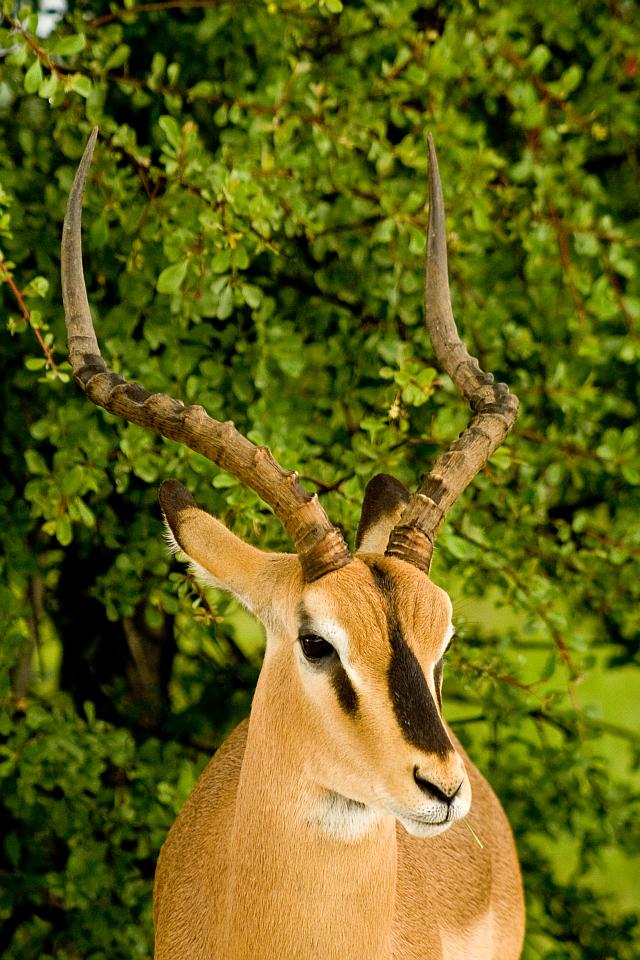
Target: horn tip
[{"x": 90, "y": 147}]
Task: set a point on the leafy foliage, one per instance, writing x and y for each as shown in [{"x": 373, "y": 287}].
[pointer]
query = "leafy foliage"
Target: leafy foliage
[{"x": 254, "y": 231}]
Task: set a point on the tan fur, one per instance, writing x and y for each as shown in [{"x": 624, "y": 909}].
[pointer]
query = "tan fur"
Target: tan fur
[{"x": 267, "y": 859}]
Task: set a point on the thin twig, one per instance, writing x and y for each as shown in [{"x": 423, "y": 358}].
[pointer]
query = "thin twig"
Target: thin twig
[
  {"x": 153, "y": 8},
  {"x": 547, "y": 94},
  {"x": 501, "y": 677},
  {"x": 39, "y": 51},
  {"x": 565, "y": 258},
  {"x": 25, "y": 312},
  {"x": 571, "y": 449}
]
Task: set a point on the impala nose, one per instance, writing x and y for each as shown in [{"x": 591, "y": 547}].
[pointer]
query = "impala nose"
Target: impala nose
[{"x": 432, "y": 789}]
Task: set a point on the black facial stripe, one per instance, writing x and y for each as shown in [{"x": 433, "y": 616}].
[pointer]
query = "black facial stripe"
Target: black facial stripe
[
  {"x": 412, "y": 701},
  {"x": 413, "y": 704},
  {"x": 347, "y": 696}
]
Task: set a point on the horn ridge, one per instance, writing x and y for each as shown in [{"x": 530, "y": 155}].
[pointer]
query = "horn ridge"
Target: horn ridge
[
  {"x": 319, "y": 544},
  {"x": 494, "y": 407}
]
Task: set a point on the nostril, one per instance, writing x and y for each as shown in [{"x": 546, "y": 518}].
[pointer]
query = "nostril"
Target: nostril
[{"x": 433, "y": 790}]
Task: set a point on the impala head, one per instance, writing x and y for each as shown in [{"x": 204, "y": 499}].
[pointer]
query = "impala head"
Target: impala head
[
  {"x": 358, "y": 656},
  {"x": 354, "y": 641}
]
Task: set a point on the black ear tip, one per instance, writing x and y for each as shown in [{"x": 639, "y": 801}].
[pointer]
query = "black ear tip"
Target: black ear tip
[
  {"x": 174, "y": 497},
  {"x": 382, "y": 497},
  {"x": 384, "y": 488}
]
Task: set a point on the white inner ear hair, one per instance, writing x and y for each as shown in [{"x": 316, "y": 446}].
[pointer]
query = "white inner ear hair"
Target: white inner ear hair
[
  {"x": 447, "y": 637},
  {"x": 201, "y": 574}
]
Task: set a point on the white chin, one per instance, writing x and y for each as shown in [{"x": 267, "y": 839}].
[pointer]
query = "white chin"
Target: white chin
[{"x": 419, "y": 829}]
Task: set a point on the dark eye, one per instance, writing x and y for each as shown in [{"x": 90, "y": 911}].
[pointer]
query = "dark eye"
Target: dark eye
[{"x": 314, "y": 647}]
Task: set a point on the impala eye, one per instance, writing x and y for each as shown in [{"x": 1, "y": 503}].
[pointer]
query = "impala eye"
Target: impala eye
[{"x": 314, "y": 647}]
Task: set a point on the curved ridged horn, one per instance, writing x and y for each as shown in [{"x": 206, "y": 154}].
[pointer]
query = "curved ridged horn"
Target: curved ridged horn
[
  {"x": 495, "y": 408},
  {"x": 320, "y": 546}
]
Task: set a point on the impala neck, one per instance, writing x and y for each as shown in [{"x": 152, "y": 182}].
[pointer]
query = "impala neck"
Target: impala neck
[{"x": 296, "y": 890}]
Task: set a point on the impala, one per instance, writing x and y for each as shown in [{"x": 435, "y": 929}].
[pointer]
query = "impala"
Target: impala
[{"x": 329, "y": 824}]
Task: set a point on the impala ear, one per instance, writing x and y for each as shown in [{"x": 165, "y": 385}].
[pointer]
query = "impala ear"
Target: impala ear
[
  {"x": 220, "y": 558},
  {"x": 384, "y": 501}
]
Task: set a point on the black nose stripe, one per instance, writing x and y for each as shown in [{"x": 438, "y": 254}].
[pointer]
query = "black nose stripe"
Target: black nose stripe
[
  {"x": 413, "y": 704},
  {"x": 412, "y": 701}
]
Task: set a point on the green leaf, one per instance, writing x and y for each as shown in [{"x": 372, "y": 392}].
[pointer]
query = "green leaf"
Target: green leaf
[
  {"x": 72, "y": 480},
  {"x": 221, "y": 115},
  {"x": 171, "y": 130},
  {"x": 81, "y": 85},
  {"x": 64, "y": 532},
  {"x": 372, "y": 425},
  {"x": 221, "y": 262},
  {"x": 171, "y": 278},
  {"x": 33, "y": 77},
  {"x": 539, "y": 58},
  {"x": 225, "y": 304},
  {"x": 459, "y": 548},
  {"x": 384, "y": 231},
  {"x": 252, "y": 295},
  {"x": 36, "y": 463},
  {"x": 49, "y": 87},
  {"x": 68, "y": 46},
  {"x": 37, "y": 287},
  {"x": 571, "y": 78},
  {"x": 86, "y": 514},
  {"x": 204, "y": 88},
  {"x": 118, "y": 58},
  {"x": 223, "y": 481}
]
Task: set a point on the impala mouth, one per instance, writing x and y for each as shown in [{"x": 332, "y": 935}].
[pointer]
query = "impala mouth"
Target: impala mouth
[
  {"x": 424, "y": 828},
  {"x": 446, "y": 822},
  {"x": 455, "y": 812},
  {"x": 424, "y": 825}
]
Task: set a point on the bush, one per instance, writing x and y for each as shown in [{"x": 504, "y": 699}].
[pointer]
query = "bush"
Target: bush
[{"x": 254, "y": 233}]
